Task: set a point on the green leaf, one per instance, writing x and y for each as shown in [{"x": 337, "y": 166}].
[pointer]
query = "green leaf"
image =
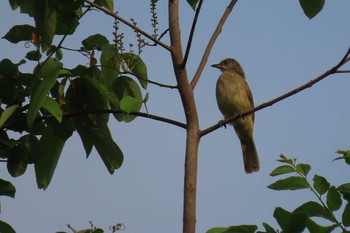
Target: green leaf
[
  {"x": 234, "y": 229},
  {"x": 284, "y": 159},
  {"x": 45, "y": 21},
  {"x": 346, "y": 156},
  {"x": 284, "y": 169},
  {"x": 321, "y": 184},
  {"x": 344, "y": 189},
  {"x": 47, "y": 74},
  {"x": 290, "y": 183},
  {"x": 6, "y": 228},
  {"x": 53, "y": 107},
  {"x": 129, "y": 104},
  {"x": 333, "y": 199},
  {"x": 311, "y": 7},
  {"x": 268, "y": 228},
  {"x": 314, "y": 209},
  {"x": 108, "y": 4},
  {"x": 122, "y": 87},
  {"x": 137, "y": 67},
  {"x": 95, "y": 42},
  {"x": 303, "y": 168},
  {"x": 193, "y": 3},
  {"x": 50, "y": 147},
  {"x": 314, "y": 227},
  {"x": 110, "y": 63},
  {"x": 7, "y": 189},
  {"x": 290, "y": 222},
  {"x": 7, "y": 114},
  {"x": 19, "y": 33},
  {"x": 346, "y": 215},
  {"x": 34, "y": 55}
]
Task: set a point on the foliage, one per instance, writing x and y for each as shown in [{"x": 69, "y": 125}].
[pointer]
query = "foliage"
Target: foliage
[{"x": 331, "y": 201}]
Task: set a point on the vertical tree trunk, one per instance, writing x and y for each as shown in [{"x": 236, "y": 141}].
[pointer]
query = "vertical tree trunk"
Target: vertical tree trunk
[{"x": 192, "y": 140}]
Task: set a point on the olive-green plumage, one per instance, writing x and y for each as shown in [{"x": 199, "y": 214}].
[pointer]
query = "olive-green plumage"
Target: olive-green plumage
[{"x": 234, "y": 96}]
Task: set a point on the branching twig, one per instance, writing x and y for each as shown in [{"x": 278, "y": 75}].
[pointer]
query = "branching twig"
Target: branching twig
[
  {"x": 167, "y": 47},
  {"x": 211, "y": 43},
  {"x": 102, "y": 111},
  {"x": 309, "y": 84},
  {"x": 190, "y": 38},
  {"x": 150, "y": 81}
]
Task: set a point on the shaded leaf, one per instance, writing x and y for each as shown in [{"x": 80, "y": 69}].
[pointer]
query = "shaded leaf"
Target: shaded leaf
[
  {"x": 311, "y": 7},
  {"x": 7, "y": 113},
  {"x": 282, "y": 170},
  {"x": 268, "y": 228},
  {"x": 33, "y": 55},
  {"x": 314, "y": 209},
  {"x": 19, "y": 33},
  {"x": 108, "y": 4},
  {"x": 47, "y": 74},
  {"x": 193, "y": 3},
  {"x": 95, "y": 42},
  {"x": 333, "y": 199},
  {"x": 49, "y": 150},
  {"x": 344, "y": 189},
  {"x": 234, "y": 229},
  {"x": 110, "y": 63},
  {"x": 314, "y": 227},
  {"x": 7, "y": 189},
  {"x": 290, "y": 183},
  {"x": 290, "y": 222},
  {"x": 6, "y": 228},
  {"x": 321, "y": 184},
  {"x": 346, "y": 215}
]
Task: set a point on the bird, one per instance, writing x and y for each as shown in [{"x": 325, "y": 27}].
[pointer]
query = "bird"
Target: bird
[{"x": 234, "y": 96}]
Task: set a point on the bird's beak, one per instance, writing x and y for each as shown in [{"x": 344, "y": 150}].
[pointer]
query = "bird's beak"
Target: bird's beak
[{"x": 216, "y": 66}]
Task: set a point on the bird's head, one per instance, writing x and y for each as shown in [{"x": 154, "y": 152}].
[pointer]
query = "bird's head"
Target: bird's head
[{"x": 230, "y": 65}]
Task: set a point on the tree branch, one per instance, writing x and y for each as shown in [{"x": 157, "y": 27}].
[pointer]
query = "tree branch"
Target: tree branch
[
  {"x": 103, "y": 111},
  {"x": 211, "y": 43},
  {"x": 167, "y": 47},
  {"x": 150, "y": 81},
  {"x": 309, "y": 84},
  {"x": 190, "y": 38}
]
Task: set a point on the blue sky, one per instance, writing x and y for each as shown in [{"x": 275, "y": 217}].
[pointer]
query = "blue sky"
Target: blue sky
[{"x": 279, "y": 49}]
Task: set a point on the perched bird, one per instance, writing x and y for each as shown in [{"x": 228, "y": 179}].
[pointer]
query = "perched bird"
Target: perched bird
[{"x": 233, "y": 97}]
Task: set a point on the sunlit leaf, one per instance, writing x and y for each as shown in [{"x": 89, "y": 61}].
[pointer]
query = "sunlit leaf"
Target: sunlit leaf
[
  {"x": 321, "y": 184},
  {"x": 53, "y": 107},
  {"x": 137, "y": 67},
  {"x": 290, "y": 183},
  {"x": 311, "y": 7},
  {"x": 7, "y": 113},
  {"x": 303, "y": 168},
  {"x": 282, "y": 170}
]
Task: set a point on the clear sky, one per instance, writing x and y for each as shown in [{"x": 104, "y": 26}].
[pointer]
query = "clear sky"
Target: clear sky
[{"x": 279, "y": 49}]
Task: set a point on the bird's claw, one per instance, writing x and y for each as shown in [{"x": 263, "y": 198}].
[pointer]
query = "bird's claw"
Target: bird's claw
[{"x": 221, "y": 123}]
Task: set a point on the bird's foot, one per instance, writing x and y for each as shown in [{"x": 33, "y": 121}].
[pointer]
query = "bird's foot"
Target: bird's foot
[{"x": 221, "y": 123}]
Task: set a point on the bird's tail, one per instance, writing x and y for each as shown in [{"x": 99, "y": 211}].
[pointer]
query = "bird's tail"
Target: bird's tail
[{"x": 250, "y": 156}]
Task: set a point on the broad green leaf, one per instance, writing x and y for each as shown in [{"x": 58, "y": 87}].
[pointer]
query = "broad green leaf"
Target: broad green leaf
[
  {"x": 7, "y": 189},
  {"x": 290, "y": 222},
  {"x": 47, "y": 74},
  {"x": 108, "y": 4},
  {"x": 7, "y": 114},
  {"x": 346, "y": 215},
  {"x": 303, "y": 168},
  {"x": 193, "y": 3},
  {"x": 290, "y": 183},
  {"x": 321, "y": 184},
  {"x": 268, "y": 228},
  {"x": 53, "y": 107},
  {"x": 129, "y": 104},
  {"x": 33, "y": 55},
  {"x": 95, "y": 42},
  {"x": 314, "y": 227},
  {"x": 344, "y": 189},
  {"x": 50, "y": 147},
  {"x": 8, "y": 68},
  {"x": 234, "y": 229},
  {"x": 314, "y": 209},
  {"x": 333, "y": 199},
  {"x": 110, "y": 63},
  {"x": 137, "y": 67},
  {"x": 19, "y": 33},
  {"x": 122, "y": 87},
  {"x": 45, "y": 20},
  {"x": 311, "y": 7},
  {"x": 6, "y": 228},
  {"x": 282, "y": 170},
  {"x": 17, "y": 161}
]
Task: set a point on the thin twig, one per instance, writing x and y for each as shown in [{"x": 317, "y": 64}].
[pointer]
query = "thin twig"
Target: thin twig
[
  {"x": 103, "y": 111},
  {"x": 167, "y": 47},
  {"x": 309, "y": 84},
  {"x": 190, "y": 38},
  {"x": 211, "y": 43},
  {"x": 150, "y": 81}
]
